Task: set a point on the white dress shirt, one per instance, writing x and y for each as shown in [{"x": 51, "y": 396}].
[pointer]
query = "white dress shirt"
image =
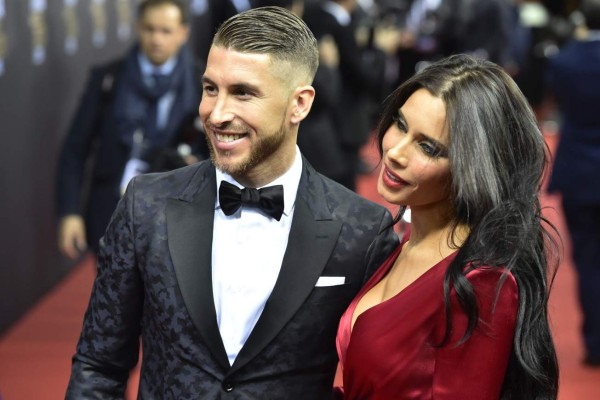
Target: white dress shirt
[
  {"x": 593, "y": 35},
  {"x": 247, "y": 253},
  {"x": 342, "y": 16}
]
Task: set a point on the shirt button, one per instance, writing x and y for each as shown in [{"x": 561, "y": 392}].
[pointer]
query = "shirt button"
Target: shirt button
[{"x": 227, "y": 386}]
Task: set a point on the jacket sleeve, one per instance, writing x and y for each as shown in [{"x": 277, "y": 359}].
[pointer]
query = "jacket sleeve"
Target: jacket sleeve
[
  {"x": 77, "y": 146},
  {"x": 385, "y": 241},
  {"x": 109, "y": 343}
]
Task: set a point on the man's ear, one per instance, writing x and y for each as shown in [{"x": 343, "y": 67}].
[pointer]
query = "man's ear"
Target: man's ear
[
  {"x": 138, "y": 28},
  {"x": 303, "y": 100},
  {"x": 185, "y": 33}
]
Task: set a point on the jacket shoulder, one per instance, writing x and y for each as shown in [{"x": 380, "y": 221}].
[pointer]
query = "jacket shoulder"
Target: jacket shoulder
[
  {"x": 342, "y": 201},
  {"x": 180, "y": 183}
]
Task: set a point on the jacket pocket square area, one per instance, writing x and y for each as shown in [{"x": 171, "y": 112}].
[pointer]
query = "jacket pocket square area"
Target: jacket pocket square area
[{"x": 330, "y": 281}]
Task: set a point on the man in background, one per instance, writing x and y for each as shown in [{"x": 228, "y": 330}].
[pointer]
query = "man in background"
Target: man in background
[
  {"x": 136, "y": 115},
  {"x": 363, "y": 72},
  {"x": 574, "y": 78}
]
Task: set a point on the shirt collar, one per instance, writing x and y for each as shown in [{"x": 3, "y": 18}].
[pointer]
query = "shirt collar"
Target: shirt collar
[
  {"x": 290, "y": 181},
  {"x": 593, "y": 35},
  {"x": 148, "y": 68},
  {"x": 339, "y": 13}
]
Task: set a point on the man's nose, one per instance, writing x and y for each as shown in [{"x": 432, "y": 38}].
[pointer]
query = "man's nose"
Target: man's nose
[{"x": 221, "y": 112}]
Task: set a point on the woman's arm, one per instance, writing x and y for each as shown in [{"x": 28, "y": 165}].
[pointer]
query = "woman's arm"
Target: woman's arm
[{"x": 476, "y": 368}]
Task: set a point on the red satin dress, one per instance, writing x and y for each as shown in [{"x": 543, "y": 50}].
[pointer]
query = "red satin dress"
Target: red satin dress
[{"x": 391, "y": 352}]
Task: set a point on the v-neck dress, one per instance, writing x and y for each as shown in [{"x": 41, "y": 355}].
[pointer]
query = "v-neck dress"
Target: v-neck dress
[{"x": 393, "y": 351}]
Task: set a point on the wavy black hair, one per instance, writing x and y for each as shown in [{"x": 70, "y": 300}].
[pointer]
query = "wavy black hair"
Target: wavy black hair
[{"x": 497, "y": 158}]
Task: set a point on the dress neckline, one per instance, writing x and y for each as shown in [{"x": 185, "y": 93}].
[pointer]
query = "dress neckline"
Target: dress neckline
[{"x": 382, "y": 272}]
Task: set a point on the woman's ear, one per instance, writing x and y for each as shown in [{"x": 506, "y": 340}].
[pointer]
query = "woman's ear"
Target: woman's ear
[{"x": 303, "y": 99}]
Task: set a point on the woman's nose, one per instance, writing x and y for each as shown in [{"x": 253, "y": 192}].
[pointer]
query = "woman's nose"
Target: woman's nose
[{"x": 399, "y": 152}]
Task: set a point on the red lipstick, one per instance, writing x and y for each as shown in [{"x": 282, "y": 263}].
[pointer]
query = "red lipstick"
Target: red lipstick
[{"x": 392, "y": 180}]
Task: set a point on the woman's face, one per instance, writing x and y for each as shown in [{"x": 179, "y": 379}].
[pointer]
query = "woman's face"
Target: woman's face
[{"x": 415, "y": 169}]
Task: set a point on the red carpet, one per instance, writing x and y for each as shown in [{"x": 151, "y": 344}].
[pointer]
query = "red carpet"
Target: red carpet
[{"x": 35, "y": 353}]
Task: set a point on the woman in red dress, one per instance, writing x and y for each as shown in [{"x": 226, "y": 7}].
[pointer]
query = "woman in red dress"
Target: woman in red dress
[{"x": 459, "y": 310}]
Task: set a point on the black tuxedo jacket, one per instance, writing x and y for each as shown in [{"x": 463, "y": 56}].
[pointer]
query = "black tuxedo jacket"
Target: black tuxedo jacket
[{"x": 154, "y": 280}]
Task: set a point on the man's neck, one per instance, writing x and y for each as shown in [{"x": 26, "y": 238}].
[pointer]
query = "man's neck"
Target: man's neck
[{"x": 148, "y": 67}]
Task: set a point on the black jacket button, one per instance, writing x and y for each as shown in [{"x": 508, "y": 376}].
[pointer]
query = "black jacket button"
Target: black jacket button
[{"x": 227, "y": 386}]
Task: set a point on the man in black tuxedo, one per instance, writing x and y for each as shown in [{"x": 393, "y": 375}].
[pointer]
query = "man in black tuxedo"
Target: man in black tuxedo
[
  {"x": 134, "y": 114},
  {"x": 235, "y": 273}
]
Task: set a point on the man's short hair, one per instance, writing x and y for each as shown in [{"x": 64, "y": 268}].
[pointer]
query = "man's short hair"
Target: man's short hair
[
  {"x": 274, "y": 31},
  {"x": 183, "y": 10}
]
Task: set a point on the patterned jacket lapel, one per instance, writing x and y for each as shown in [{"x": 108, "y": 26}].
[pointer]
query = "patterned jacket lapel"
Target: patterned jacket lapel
[
  {"x": 313, "y": 236},
  {"x": 189, "y": 226}
]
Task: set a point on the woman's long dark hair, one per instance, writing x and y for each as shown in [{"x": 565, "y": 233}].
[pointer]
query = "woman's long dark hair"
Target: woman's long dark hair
[{"x": 497, "y": 158}]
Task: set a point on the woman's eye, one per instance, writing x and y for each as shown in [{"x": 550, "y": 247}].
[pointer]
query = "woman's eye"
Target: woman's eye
[
  {"x": 432, "y": 150},
  {"x": 399, "y": 122}
]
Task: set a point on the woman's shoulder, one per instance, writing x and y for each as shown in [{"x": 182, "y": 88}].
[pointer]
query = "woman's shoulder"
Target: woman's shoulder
[
  {"x": 495, "y": 288},
  {"x": 483, "y": 276}
]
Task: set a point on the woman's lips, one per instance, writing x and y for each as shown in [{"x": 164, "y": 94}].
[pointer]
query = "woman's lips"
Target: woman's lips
[{"x": 392, "y": 180}]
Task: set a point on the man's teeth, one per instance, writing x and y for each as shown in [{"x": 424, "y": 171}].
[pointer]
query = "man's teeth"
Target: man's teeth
[{"x": 227, "y": 138}]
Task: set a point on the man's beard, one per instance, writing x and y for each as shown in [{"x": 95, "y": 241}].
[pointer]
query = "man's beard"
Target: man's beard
[{"x": 260, "y": 151}]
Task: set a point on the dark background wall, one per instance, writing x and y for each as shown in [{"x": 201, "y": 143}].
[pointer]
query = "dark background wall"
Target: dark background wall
[{"x": 46, "y": 48}]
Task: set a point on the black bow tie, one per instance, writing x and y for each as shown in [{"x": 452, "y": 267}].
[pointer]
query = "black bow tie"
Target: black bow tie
[{"x": 268, "y": 199}]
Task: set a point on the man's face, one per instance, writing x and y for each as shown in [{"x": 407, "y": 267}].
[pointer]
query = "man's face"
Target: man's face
[
  {"x": 161, "y": 32},
  {"x": 245, "y": 109}
]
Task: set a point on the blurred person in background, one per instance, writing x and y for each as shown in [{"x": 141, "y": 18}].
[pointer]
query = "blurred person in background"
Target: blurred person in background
[
  {"x": 438, "y": 28},
  {"x": 486, "y": 28},
  {"x": 205, "y": 18},
  {"x": 423, "y": 33},
  {"x": 573, "y": 77},
  {"x": 362, "y": 70},
  {"x": 137, "y": 114},
  {"x": 318, "y": 136}
]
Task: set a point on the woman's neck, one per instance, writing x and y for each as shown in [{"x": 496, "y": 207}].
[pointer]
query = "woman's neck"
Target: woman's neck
[{"x": 435, "y": 230}]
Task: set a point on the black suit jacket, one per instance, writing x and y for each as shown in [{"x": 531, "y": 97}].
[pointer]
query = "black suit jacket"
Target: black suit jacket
[
  {"x": 154, "y": 279},
  {"x": 574, "y": 78}
]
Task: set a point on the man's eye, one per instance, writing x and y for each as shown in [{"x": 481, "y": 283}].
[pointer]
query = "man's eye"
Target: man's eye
[
  {"x": 243, "y": 94},
  {"x": 209, "y": 89}
]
